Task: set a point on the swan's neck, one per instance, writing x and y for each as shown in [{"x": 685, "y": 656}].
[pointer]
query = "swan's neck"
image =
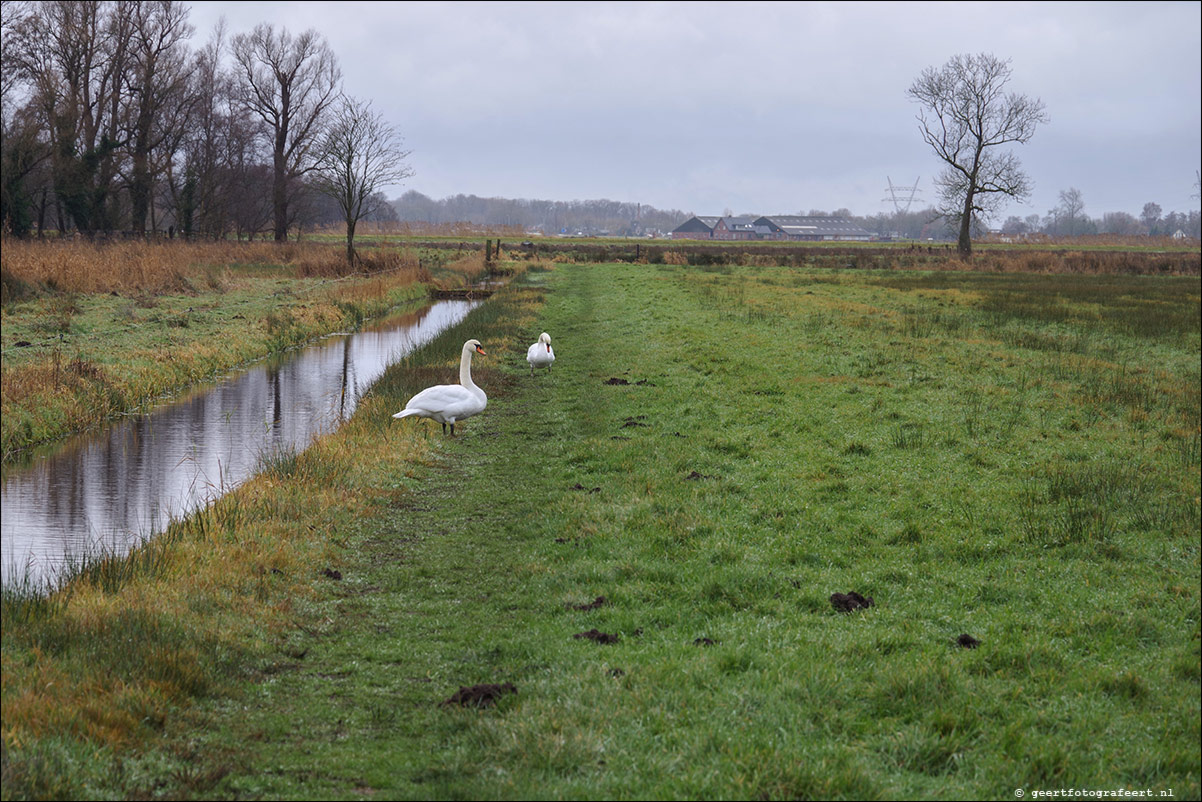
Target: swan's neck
[{"x": 465, "y": 370}]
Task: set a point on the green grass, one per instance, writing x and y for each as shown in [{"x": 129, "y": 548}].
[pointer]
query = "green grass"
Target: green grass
[{"x": 1019, "y": 464}]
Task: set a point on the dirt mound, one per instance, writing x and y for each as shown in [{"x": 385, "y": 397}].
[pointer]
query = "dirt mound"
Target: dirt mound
[
  {"x": 480, "y": 695},
  {"x": 846, "y": 602},
  {"x": 600, "y": 601},
  {"x": 597, "y": 636}
]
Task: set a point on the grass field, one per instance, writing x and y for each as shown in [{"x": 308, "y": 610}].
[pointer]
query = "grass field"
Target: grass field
[{"x": 718, "y": 450}]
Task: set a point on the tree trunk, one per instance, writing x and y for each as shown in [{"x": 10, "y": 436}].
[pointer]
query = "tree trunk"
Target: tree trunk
[
  {"x": 350, "y": 242},
  {"x": 964, "y": 246},
  {"x": 139, "y": 193},
  {"x": 279, "y": 197}
]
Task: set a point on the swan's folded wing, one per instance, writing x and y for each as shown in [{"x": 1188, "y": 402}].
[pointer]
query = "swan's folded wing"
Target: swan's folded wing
[{"x": 446, "y": 403}]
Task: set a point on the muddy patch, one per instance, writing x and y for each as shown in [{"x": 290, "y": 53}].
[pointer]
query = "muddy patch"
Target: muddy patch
[
  {"x": 704, "y": 642},
  {"x": 847, "y": 602},
  {"x": 332, "y": 574},
  {"x": 635, "y": 421},
  {"x": 618, "y": 380},
  {"x": 600, "y": 601},
  {"x": 579, "y": 486},
  {"x": 694, "y": 476},
  {"x": 967, "y": 641},
  {"x": 597, "y": 636},
  {"x": 479, "y": 695}
]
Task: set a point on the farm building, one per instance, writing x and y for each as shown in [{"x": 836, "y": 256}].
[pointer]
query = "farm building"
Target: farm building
[
  {"x": 696, "y": 228},
  {"x": 773, "y": 227},
  {"x": 798, "y": 227},
  {"x": 728, "y": 228}
]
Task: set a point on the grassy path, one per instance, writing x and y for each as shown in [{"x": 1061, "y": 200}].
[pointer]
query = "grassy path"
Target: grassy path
[{"x": 715, "y": 457}]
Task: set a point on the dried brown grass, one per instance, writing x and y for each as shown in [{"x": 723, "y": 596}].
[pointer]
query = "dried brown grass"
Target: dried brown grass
[
  {"x": 464, "y": 270},
  {"x": 174, "y": 266},
  {"x": 1138, "y": 263}
]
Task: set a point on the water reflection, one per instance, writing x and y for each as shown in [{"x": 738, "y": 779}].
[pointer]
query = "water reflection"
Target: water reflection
[{"x": 109, "y": 490}]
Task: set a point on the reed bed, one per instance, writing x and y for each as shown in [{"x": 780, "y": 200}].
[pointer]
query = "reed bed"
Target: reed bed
[{"x": 32, "y": 267}]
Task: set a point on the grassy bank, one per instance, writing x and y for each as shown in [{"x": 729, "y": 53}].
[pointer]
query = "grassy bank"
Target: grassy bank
[
  {"x": 1011, "y": 458},
  {"x": 93, "y": 331}
]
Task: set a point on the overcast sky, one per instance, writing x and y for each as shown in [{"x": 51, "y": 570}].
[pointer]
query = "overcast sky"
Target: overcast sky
[{"x": 756, "y": 107}]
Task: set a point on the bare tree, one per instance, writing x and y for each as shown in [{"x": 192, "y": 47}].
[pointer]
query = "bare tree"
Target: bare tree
[
  {"x": 289, "y": 83},
  {"x": 966, "y": 117},
  {"x": 360, "y": 155},
  {"x": 1068, "y": 213},
  {"x": 1150, "y": 217},
  {"x": 1120, "y": 223},
  {"x": 158, "y": 84}
]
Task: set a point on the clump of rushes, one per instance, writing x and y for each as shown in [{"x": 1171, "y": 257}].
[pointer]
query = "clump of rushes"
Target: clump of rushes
[{"x": 139, "y": 320}]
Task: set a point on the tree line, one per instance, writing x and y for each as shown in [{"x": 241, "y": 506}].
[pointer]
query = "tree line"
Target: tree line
[
  {"x": 592, "y": 217},
  {"x": 1069, "y": 219},
  {"x": 113, "y": 122}
]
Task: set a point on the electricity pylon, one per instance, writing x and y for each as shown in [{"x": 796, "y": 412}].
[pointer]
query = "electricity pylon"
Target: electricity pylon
[{"x": 898, "y": 195}]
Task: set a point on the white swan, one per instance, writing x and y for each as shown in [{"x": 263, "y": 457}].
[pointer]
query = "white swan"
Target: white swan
[
  {"x": 540, "y": 353},
  {"x": 448, "y": 403}
]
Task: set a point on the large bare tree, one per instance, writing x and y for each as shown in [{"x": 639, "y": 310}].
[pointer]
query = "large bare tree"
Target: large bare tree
[
  {"x": 158, "y": 90},
  {"x": 289, "y": 83},
  {"x": 360, "y": 155},
  {"x": 967, "y": 118}
]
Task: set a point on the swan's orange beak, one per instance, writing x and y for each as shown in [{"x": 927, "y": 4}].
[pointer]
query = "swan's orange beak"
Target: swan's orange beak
[
  {"x": 480, "y": 350},
  {"x": 548, "y": 348}
]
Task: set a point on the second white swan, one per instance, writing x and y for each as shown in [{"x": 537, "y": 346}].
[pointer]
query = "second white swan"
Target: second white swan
[{"x": 540, "y": 353}]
